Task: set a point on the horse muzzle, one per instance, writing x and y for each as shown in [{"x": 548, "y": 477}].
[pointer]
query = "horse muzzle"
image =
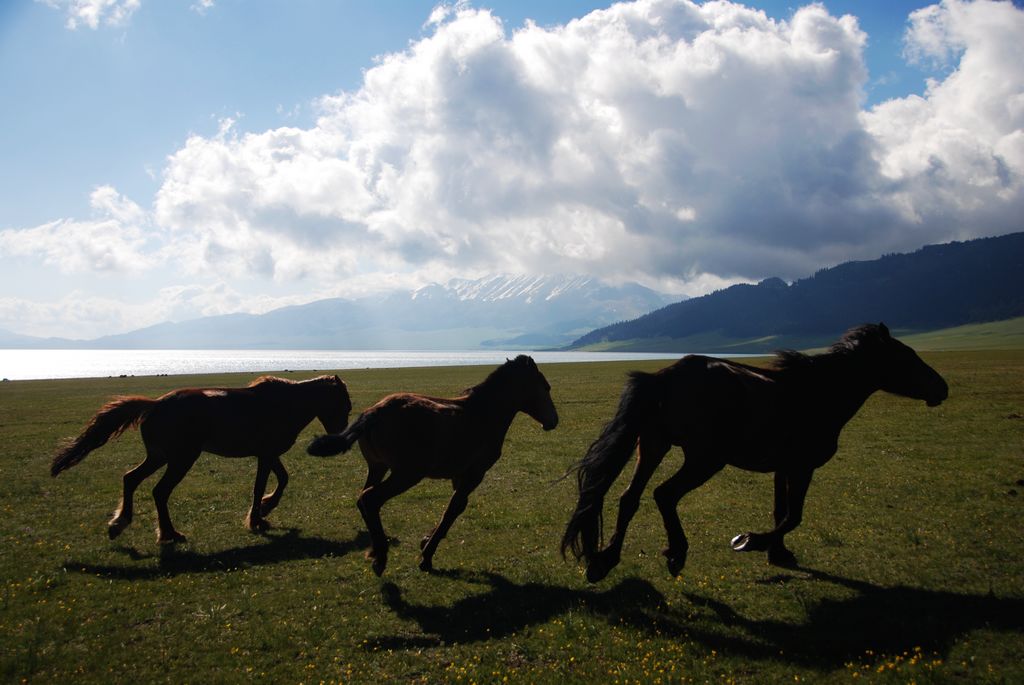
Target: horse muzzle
[{"x": 939, "y": 396}]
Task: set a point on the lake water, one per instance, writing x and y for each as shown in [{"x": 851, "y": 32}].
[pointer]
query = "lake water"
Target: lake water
[{"x": 40, "y": 364}]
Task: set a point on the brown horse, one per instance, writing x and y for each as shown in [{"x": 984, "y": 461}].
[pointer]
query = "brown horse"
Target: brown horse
[
  {"x": 458, "y": 439},
  {"x": 260, "y": 420},
  {"x": 784, "y": 419}
]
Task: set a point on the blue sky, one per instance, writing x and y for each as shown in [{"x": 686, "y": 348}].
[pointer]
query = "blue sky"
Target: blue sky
[{"x": 164, "y": 160}]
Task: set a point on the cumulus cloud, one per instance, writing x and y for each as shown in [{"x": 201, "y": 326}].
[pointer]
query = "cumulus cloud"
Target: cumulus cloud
[
  {"x": 954, "y": 158},
  {"x": 658, "y": 140},
  {"x": 93, "y": 13},
  {"x": 76, "y": 316},
  {"x": 202, "y": 6},
  {"x": 118, "y": 239}
]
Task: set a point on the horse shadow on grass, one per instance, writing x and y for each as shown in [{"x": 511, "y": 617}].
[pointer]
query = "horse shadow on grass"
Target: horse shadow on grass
[
  {"x": 875, "y": 619},
  {"x": 879, "y": 620},
  {"x": 281, "y": 546},
  {"x": 508, "y": 608}
]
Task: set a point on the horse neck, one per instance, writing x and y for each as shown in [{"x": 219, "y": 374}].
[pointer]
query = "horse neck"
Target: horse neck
[
  {"x": 838, "y": 384},
  {"x": 300, "y": 402},
  {"x": 494, "y": 404}
]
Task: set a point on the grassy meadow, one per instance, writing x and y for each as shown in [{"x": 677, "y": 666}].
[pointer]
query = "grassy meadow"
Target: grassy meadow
[{"x": 911, "y": 562}]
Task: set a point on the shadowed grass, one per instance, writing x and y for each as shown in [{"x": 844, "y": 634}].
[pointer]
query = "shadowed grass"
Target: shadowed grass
[{"x": 910, "y": 555}]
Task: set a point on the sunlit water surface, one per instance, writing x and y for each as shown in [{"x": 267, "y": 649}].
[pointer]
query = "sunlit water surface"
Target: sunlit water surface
[{"x": 39, "y": 364}]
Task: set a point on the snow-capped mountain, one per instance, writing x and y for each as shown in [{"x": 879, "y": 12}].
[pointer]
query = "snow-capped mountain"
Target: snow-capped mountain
[{"x": 497, "y": 311}]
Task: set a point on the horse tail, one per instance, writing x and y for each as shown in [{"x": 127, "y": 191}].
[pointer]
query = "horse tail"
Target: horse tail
[
  {"x": 113, "y": 418},
  {"x": 604, "y": 461},
  {"x": 336, "y": 443}
]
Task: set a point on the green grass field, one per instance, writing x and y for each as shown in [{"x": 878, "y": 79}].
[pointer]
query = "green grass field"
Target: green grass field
[{"x": 912, "y": 568}]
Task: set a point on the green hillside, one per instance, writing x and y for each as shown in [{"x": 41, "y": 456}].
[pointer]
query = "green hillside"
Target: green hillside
[{"x": 996, "y": 335}]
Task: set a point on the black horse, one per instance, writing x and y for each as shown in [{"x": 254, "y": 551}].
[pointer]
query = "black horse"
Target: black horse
[{"x": 784, "y": 419}]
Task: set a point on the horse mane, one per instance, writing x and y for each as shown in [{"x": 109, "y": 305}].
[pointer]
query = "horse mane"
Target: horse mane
[
  {"x": 270, "y": 380},
  {"x": 325, "y": 378},
  {"x": 852, "y": 341},
  {"x": 499, "y": 374}
]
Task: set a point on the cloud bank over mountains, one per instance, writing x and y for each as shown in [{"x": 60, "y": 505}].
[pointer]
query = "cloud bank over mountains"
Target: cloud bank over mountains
[{"x": 680, "y": 146}]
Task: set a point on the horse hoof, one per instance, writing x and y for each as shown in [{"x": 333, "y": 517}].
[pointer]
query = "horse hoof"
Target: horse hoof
[
  {"x": 172, "y": 539},
  {"x": 114, "y": 528},
  {"x": 258, "y": 526},
  {"x": 676, "y": 562},
  {"x": 427, "y": 565},
  {"x": 378, "y": 566},
  {"x": 596, "y": 572},
  {"x": 744, "y": 542}
]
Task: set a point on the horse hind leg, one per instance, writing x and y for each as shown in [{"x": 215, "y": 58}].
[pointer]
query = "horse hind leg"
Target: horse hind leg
[
  {"x": 696, "y": 471},
  {"x": 370, "y": 502},
  {"x": 254, "y": 520},
  {"x": 270, "y": 502},
  {"x": 130, "y": 482},
  {"x": 176, "y": 470},
  {"x": 649, "y": 456}
]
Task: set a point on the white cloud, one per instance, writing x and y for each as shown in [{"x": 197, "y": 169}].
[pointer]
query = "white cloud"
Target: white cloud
[
  {"x": 653, "y": 140},
  {"x": 76, "y": 316},
  {"x": 954, "y": 158},
  {"x": 203, "y": 6},
  {"x": 80, "y": 315},
  {"x": 632, "y": 142},
  {"x": 118, "y": 239},
  {"x": 92, "y": 13}
]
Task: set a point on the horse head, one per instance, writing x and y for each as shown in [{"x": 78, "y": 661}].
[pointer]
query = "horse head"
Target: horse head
[
  {"x": 535, "y": 393},
  {"x": 902, "y": 372},
  {"x": 333, "y": 404}
]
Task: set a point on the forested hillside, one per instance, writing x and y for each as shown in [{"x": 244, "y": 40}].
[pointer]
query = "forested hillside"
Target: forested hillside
[{"x": 938, "y": 286}]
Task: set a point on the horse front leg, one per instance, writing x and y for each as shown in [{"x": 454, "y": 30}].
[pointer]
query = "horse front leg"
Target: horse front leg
[
  {"x": 790, "y": 493},
  {"x": 456, "y": 505},
  {"x": 254, "y": 520},
  {"x": 176, "y": 470},
  {"x": 370, "y": 502},
  {"x": 650, "y": 454},
  {"x": 696, "y": 471},
  {"x": 130, "y": 482}
]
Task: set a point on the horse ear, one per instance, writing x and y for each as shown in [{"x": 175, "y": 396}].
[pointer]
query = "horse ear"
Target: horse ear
[{"x": 884, "y": 329}]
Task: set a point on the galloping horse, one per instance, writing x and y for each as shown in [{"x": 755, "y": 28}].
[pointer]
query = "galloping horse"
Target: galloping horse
[
  {"x": 458, "y": 439},
  {"x": 260, "y": 420},
  {"x": 784, "y": 419}
]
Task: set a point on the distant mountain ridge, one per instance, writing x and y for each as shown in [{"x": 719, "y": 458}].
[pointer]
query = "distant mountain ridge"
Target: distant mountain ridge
[
  {"x": 938, "y": 286},
  {"x": 497, "y": 311}
]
